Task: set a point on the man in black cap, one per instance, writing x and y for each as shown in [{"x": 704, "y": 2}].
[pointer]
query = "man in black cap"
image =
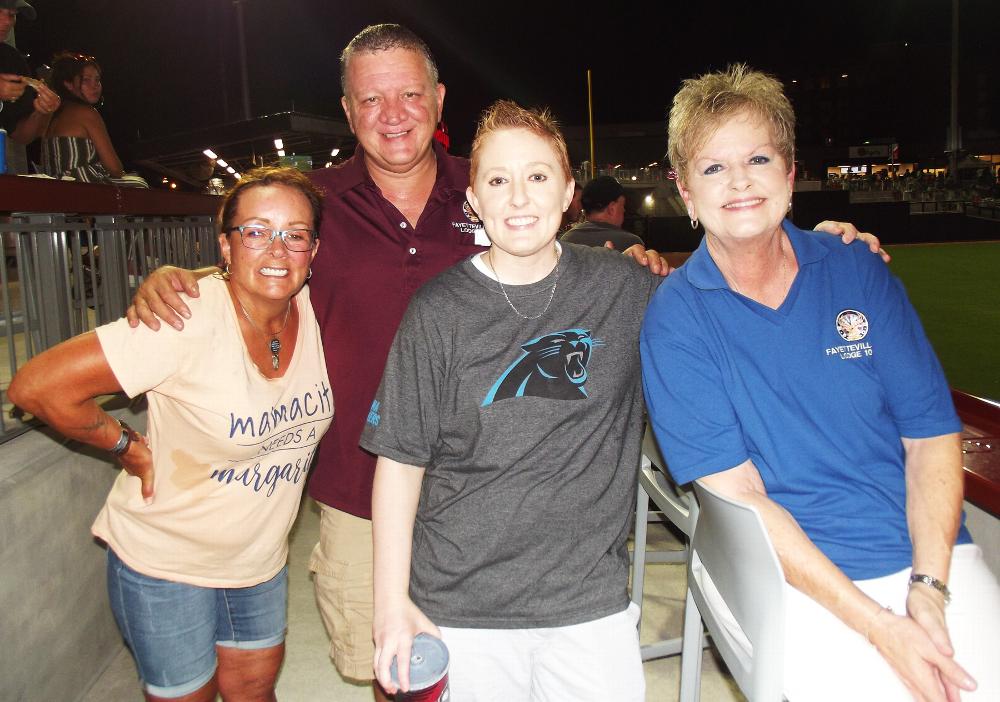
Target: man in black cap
[
  {"x": 24, "y": 110},
  {"x": 27, "y": 12},
  {"x": 604, "y": 208}
]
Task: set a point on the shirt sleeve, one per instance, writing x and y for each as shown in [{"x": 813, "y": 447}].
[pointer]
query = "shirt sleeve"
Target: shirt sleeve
[
  {"x": 404, "y": 419},
  {"x": 143, "y": 359},
  {"x": 916, "y": 390},
  {"x": 689, "y": 409}
]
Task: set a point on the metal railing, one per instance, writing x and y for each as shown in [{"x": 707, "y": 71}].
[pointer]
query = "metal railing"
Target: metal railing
[
  {"x": 984, "y": 210},
  {"x": 66, "y": 274},
  {"x": 636, "y": 176},
  {"x": 918, "y": 207}
]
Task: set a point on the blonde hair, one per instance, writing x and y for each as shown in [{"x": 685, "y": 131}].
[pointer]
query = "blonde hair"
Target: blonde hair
[
  {"x": 704, "y": 103},
  {"x": 507, "y": 114}
]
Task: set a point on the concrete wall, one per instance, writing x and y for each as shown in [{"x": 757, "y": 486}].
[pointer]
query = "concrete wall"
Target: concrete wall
[{"x": 56, "y": 628}]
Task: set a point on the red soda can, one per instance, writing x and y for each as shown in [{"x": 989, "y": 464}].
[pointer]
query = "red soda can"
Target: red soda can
[{"x": 428, "y": 671}]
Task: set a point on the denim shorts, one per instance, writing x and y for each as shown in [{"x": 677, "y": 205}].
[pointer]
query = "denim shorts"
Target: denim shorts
[{"x": 173, "y": 628}]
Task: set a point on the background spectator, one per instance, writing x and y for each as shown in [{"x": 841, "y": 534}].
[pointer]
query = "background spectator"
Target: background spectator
[
  {"x": 76, "y": 143},
  {"x": 25, "y": 105}
]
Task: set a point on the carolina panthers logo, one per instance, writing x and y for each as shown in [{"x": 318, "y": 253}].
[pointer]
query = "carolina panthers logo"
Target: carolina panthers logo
[{"x": 552, "y": 366}]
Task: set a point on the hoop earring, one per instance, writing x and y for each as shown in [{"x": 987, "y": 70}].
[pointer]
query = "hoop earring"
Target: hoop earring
[
  {"x": 225, "y": 272},
  {"x": 694, "y": 223},
  {"x": 310, "y": 273}
]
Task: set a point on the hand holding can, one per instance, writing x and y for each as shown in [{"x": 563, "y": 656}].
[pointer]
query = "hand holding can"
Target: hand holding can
[{"x": 428, "y": 671}]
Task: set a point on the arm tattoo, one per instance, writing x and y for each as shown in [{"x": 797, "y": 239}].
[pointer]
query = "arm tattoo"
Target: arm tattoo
[{"x": 98, "y": 422}]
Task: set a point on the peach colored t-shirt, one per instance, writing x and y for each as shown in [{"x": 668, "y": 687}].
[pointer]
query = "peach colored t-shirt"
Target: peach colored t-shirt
[{"x": 231, "y": 448}]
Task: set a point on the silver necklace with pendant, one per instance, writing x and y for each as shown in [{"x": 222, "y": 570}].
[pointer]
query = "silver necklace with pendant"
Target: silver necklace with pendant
[{"x": 274, "y": 345}]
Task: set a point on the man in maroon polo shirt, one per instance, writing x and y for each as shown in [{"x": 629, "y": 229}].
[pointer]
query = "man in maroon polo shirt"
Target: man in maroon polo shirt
[{"x": 395, "y": 216}]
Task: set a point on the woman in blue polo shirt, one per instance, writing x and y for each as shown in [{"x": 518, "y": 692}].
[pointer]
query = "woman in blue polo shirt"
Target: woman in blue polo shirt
[{"x": 794, "y": 375}]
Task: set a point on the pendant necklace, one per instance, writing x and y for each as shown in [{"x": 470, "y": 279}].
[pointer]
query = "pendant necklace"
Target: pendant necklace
[
  {"x": 552, "y": 293},
  {"x": 274, "y": 345}
]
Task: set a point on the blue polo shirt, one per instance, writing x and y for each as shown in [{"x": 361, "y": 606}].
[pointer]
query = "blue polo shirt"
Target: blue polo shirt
[{"x": 816, "y": 393}]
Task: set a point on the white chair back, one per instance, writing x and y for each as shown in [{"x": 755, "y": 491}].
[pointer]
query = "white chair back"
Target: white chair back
[
  {"x": 732, "y": 548},
  {"x": 678, "y": 506}
]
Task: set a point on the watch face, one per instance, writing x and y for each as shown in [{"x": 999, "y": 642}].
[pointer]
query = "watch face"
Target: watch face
[
  {"x": 933, "y": 582},
  {"x": 852, "y": 325}
]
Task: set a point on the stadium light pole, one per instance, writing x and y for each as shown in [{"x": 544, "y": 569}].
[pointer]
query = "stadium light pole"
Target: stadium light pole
[
  {"x": 241, "y": 34},
  {"x": 954, "y": 142}
]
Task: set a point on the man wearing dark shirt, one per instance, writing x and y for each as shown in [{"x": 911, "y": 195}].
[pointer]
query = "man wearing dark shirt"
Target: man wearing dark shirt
[
  {"x": 24, "y": 111},
  {"x": 395, "y": 216},
  {"x": 603, "y": 203}
]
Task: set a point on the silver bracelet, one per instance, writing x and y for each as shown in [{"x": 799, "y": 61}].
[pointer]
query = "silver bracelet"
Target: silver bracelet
[
  {"x": 933, "y": 582},
  {"x": 124, "y": 441}
]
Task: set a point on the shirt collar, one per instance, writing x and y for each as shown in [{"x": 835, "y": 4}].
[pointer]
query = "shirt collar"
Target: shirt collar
[
  {"x": 596, "y": 225},
  {"x": 703, "y": 273}
]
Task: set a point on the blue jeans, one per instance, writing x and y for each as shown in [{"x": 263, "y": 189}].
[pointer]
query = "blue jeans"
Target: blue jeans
[{"x": 173, "y": 628}]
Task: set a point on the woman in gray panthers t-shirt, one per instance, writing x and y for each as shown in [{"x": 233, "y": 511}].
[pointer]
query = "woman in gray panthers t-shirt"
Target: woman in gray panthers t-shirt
[{"x": 507, "y": 428}]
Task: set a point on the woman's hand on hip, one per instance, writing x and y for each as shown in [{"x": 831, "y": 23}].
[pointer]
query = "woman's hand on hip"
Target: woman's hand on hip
[{"x": 138, "y": 462}]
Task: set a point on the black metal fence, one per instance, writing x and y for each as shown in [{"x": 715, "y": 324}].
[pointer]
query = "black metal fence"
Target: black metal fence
[{"x": 66, "y": 274}]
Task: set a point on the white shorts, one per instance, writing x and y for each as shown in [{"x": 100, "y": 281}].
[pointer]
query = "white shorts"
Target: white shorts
[
  {"x": 595, "y": 661},
  {"x": 826, "y": 661}
]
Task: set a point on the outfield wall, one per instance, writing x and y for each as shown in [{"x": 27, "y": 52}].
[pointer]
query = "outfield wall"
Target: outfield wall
[{"x": 890, "y": 221}]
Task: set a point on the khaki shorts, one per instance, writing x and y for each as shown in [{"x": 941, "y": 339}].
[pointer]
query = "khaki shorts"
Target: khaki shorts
[{"x": 342, "y": 564}]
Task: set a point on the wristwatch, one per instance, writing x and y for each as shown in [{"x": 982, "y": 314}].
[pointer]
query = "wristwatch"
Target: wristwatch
[
  {"x": 933, "y": 582},
  {"x": 125, "y": 440}
]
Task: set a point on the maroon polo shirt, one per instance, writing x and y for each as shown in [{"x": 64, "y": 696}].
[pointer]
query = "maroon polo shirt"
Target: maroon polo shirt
[{"x": 369, "y": 264}]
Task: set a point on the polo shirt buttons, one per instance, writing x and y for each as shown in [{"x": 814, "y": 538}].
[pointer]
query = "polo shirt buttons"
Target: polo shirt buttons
[
  {"x": 402, "y": 225},
  {"x": 412, "y": 250}
]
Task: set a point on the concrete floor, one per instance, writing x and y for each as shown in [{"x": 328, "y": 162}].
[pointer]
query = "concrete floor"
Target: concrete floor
[{"x": 309, "y": 676}]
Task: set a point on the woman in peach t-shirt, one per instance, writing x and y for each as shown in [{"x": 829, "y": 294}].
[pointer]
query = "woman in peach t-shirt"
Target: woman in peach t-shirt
[{"x": 197, "y": 522}]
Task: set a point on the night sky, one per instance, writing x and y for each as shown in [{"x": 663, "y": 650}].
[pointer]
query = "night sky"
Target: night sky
[{"x": 171, "y": 65}]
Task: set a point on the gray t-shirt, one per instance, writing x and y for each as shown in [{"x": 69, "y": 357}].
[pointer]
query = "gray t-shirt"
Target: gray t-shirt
[
  {"x": 529, "y": 431},
  {"x": 596, "y": 233}
]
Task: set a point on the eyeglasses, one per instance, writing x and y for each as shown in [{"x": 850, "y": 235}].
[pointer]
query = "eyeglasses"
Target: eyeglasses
[{"x": 257, "y": 237}]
